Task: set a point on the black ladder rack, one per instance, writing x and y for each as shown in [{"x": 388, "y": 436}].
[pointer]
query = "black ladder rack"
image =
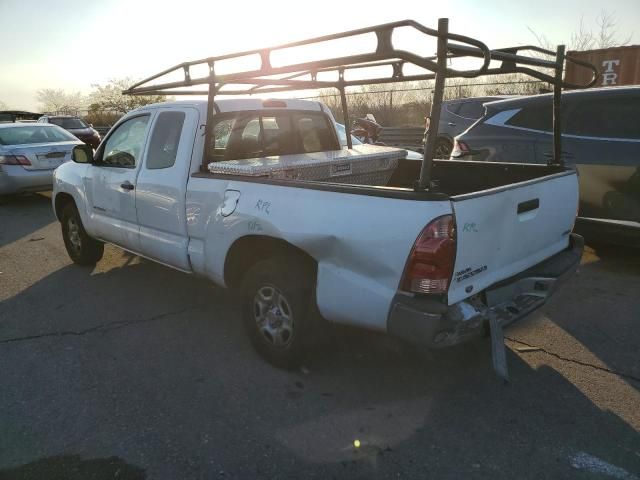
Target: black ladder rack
[{"x": 304, "y": 75}]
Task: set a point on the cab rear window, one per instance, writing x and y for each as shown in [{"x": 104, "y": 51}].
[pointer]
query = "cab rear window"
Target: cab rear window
[{"x": 261, "y": 134}]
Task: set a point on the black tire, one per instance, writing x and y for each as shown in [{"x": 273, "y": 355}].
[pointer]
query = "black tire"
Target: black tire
[
  {"x": 279, "y": 312},
  {"x": 442, "y": 149},
  {"x": 82, "y": 249}
]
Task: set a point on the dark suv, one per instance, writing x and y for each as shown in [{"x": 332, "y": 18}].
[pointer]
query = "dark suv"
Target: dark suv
[
  {"x": 455, "y": 117},
  {"x": 75, "y": 126},
  {"x": 601, "y": 137}
]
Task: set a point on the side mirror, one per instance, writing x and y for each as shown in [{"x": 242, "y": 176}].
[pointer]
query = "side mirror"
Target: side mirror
[
  {"x": 82, "y": 154},
  {"x": 91, "y": 125}
]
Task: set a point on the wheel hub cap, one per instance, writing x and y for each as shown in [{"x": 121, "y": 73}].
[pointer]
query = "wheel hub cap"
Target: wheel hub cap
[
  {"x": 273, "y": 316},
  {"x": 74, "y": 234}
]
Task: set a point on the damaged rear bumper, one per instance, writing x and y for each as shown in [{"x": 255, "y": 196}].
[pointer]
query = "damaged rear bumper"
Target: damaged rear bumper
[{"x": 430, "y": 322}]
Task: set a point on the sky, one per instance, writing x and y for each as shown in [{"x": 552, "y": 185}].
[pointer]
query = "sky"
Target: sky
[{"x": 73, "y": 44}]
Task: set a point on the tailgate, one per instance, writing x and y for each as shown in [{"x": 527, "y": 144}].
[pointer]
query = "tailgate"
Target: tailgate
[{"x": 503, "y": 231}]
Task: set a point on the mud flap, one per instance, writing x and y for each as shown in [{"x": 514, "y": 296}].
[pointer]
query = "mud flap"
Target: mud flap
[{"x": 498, "y": 350}]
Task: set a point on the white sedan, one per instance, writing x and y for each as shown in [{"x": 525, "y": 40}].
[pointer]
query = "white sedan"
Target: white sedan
[{"x": 29, "y": 153}]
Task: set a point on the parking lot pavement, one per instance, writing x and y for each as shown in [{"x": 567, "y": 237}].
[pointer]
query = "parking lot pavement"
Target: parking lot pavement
[{"x": 132, "y": 370}]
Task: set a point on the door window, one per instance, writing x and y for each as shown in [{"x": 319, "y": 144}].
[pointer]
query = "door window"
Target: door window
[
  {"x": 535, "y": 117},
  {"x": 606, "y": 117},
  {"x": 471, "y": 110},
  {"x": 124, "y": 146},
  {"x": 165, "y": 139}
]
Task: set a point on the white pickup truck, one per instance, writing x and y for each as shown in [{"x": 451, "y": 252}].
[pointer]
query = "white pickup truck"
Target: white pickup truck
[{"x": 369, "y": 251}]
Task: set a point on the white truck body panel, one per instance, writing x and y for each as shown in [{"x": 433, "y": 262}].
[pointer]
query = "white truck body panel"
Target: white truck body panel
[
  {"x": 360, "y": 241},
  {"x": 361, "y": 255},
  {"x": 495, "y": 242}
]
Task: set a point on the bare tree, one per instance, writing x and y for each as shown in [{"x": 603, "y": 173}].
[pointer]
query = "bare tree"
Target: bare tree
[
  {"x": 109, "y": 97},
  {"x": 59, "y": 101},
  {"x": 606, "y": 35},
  {"x": 584, "y": 38},
  {"x": 3, "y": 106}
]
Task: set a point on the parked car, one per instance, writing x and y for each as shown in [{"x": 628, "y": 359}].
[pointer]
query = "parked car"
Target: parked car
[
  {"x": 306, "y": 230},
  {"x": 29, "y": 153},
  {"x": 601, "y": 138},
  {"x": 342, "y": 136},
  {"x": 76, "y": 126},
  {"x": 455, "y": 117},
  {"x": 11, "y": 116}
]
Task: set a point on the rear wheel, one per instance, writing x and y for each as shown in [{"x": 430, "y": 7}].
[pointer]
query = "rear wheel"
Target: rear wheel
[
  {"x": 82, "y": 249},
  {"x": 278, "y": 311}
]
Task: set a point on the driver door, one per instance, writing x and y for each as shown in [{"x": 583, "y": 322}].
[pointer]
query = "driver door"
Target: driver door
[{"x": 112, "y": 177}]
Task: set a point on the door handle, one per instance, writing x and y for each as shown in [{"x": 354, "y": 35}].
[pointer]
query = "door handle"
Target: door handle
[
  {"x": 529, "y": 205},
  {"x": 127, "y": 185},
  {"x": 451, "y": 124}
]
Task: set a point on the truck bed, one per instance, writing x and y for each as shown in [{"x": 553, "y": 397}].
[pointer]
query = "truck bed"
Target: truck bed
[
  {"x": 459, "y": 177},
  {"x": 375, "y": 166}
]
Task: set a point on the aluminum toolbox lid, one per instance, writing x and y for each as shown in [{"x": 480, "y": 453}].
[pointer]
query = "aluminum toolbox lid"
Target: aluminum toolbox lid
[{"x": 269, "y": 165}]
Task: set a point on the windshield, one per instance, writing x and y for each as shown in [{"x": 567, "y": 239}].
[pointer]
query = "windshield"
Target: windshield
[
  {"x": 342, "y": 136},
  {"x": 68, "y": 122},
  {"x": 34, "y": 134}
]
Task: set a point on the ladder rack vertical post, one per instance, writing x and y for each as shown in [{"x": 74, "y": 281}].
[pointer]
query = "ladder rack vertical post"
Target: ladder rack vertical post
[
  {"x": 345, "y": 112},
  {"x": 438, "y": 92},
  {"x": 557, "y": 107},
  {"x": 208, "y": 127}
]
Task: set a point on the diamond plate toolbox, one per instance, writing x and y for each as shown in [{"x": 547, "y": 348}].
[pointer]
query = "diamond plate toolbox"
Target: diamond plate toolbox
[{"x": 362, "y": 165}]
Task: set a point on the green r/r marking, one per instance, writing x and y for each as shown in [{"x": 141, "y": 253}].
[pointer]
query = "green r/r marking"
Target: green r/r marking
[{"x": 470, "y": 227}]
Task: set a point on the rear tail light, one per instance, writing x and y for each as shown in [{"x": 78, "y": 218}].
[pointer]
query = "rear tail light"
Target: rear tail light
[
  {"x": 459, "y": 148},
  {"x": 430, "y": 264},
  {"x": 14, "y": 160}
]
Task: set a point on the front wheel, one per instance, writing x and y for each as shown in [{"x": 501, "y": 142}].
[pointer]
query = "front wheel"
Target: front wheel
[
  {"x": 82, "y": 249},
  {"x": 278, "y": 311}
]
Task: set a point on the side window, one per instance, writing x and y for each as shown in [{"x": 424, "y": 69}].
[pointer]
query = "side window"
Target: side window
[
  {"x": 472, "y": 110},
  {"x": 165, "y": 139},
  {"x": 535, "y": 117},
  {"x": 124, "y": 146},
  {"x": 606, "y": 117}
]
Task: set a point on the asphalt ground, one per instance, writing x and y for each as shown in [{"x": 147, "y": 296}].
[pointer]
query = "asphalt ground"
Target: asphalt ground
[{"x": 131, "y": 370}]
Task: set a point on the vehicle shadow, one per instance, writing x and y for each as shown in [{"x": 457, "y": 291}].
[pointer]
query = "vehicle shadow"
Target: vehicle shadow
[
  {"x": 72, "y": 467},
  {"x": 26, "y": 214},
  {"x": 599, "y": 308},
  {"x": 154, "y": 363}
]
